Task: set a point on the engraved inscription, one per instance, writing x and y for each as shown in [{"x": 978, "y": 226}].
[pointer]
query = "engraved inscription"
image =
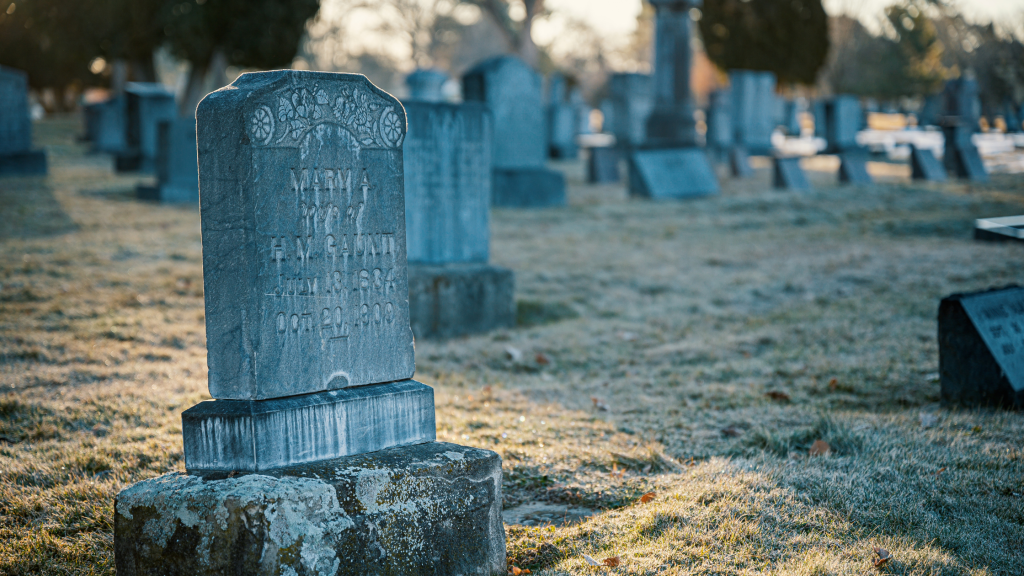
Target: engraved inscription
[{"x": 999, "y": 318}]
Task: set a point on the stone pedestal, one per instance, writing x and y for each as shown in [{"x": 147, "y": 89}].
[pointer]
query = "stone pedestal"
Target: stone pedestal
[
  {"x": 428, "y": 509},
  {"x": 603, "y": 165},
  {"x": 453, "y": 300}
]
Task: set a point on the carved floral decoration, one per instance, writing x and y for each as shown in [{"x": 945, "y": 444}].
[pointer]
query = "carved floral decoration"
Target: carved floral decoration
[{"x": 368, "y": 117}]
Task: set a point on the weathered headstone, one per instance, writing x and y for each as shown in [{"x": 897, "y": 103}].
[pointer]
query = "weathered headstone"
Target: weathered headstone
[
  {"x": 453, "y": 291},
  {"x": 512, "y": 91},
  {"x": 632, "y": 100},
  {"x": 853, "y": 167},
  {"x": 177, "y": 172},
  {"x": 791, "y": 117},
  {"x": 147, "y": 104},
  {"x": 961, "y": 158},
  {"x": 739, "y": 162},
  {"x": 1005, "y": 229},
  {"x": 925, "y": 166},
  {"x": 820, "y": 119},
  {"x": 788, "y": 175},
  {"x": 931, "y": 110},
  {"x": 981, "y": 348},
  {"x": 17, "y": 158},
  {"x": 561, "y": 121},
  {"x": 426, "y": 85},
  {"x": 753, "y": 104},
  {"x": 719, "y": 136},
  {"x": 109, "y": 126},
  {"x": 669, "y": 164},
  {"x": 603, "y": 165},
  {"x": 310, "y": 355},
  {"x": 960, "y": 99},
  {"x": 843, "y": 121}
]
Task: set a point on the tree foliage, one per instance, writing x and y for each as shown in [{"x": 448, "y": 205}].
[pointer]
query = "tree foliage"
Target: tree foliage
[{"x": 787, "y": 37}]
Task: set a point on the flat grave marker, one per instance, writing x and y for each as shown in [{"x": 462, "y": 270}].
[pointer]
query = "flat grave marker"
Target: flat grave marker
[
  {"x": 1007, "y": 228},
  {"x": 925, "y": 166},
  {"x": 672, "y": 174},
  {"x": 788, "y": 175},
  {"x": 853, "y": 168}
]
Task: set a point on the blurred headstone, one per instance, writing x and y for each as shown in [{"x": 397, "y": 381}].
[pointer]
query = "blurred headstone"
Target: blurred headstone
[
  {"x": 981, "y": 339},
  {"x": 739, "y": 162},
  {"x": 853, "y": 167},
  {"x": 603, "y": 165},
  {"x": 669, "y": 164},
  {"x": 961, "y": 158},
  {"x": 1013, "y": 121},
  {"x": 582, "y": 111},
  {"x": 147, "y": 104},
  {"x": 317, "y": 440},
  {"x": 843, "y": 120},
  {"x": 788, "y": 175},
  {"x": 960, "y": 98},
  {"x": 108, "y": 132},
  {"x": 17, "y": 158},
  {"x": 453, "y": 291},
  {"x": 632, "y": 100},
  {"x": 562, "y": 120},
  {"x": 791, "y": 118},
  {"x": 512, "y": 91},
  {"x": 426, "y": 85},
  {"x": 719, "y": 137},
  {"x": 820, "y": 119},
  {"x": 925, "y": 166},
  {"x": 753, "y": 104},
  {"x": 931, "y": 111},
  {"x": 177, "y": 171}
]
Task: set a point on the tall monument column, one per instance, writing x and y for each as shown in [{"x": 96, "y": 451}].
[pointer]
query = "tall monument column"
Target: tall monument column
[{"x": 671, "y": 123}]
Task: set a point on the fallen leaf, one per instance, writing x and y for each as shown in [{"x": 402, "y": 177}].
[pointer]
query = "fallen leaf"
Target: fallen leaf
[
  {"x": 940, "y": 471},
  {"x": 591, "y": 561},
  {"x": 518, "y": 571},
  {"x": 514, "y": 354},
  {"x": 542, "y": 359},
  {"x": 647, "y": 497},
  {"x": 928, "y": 420},
  {"x": 820, "y": 448},
  {"x": 613, "y": 561},
  {"x": 599, "y": 404},
  {"x": 778, "y": 395},
  {"x": 833, "y": 384},
  {"x": 883, "y": 556},
  {"x": 732, "y": 432}
]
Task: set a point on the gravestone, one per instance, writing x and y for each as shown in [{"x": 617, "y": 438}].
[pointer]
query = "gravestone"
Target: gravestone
[
  {"x": 453, "y": 291},
  {"x": 791, "y": 117},
  {"x": 317, "y": 454},
  {"x": 1013, "y": 122},
  {"x": 853, "y": 167},
  {"x": 512, "y": 91},
  {"x": 719, "y": 136},
  {"x": 669, "y": 164},
  {"x": 177, "y": 172},
  {"x": 960, "y": 99},
  {"x": 147, "y": 104},
  {"x": 753, "y": 105},
  {"x": 603, "y": 165},
  {"x": 562, "y": 120},
  {"x": 426, "y": 85},
  {"x": 981, "y": 348},
  {"x": 582, "y": 111},
  {"x": 843, "y": 121},
  {"x": 924, "y": 165},
  {"x": 961, "y": 157},
  {"x": 820, "y": 119},
  {"x": 109, "y": 126},
  {"x": 632, "y": 100},
  {"x": 1005, "y": 229},
  {"x": 17, "y": 158},
  {"x": 739, "y": 162},
  {"x": 789, "y": 175},
  {"x": 931, "y": 110}
]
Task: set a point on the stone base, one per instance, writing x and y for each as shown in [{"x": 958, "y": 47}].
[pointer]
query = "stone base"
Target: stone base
[
  {"x": 672, "y": 173},
  {"x": 853, "y": 168},
  {"x": 965, "y": 163},
  {"x": 429, "y": 509},
  {"x": 257, "y": 435},
  {"x": 739, "y": 163},
  {"x": 167, "y": 194},
  {"x": 453, "y": 300},
  {"x": 924, "y": 166},
  {"x": 133, "y": 162},
  {"x": 788, "y": 175},
  {"x": 527, "y": 188},
  {"x": 28, "y": 163},
  {"x": 603, "y": 165}
]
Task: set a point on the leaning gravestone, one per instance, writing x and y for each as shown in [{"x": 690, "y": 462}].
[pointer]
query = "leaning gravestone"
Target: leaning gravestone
[
  {"x": 631, "y": 100},
  {"x": 924, "y": 165},
  {"x": 981, "y": 348},
  {"x": 17, "y": 158},
  {"x": 147, "y": 104},
  {"x": 512, "y": 91},
  {"x": 789, "y": 175},
  {"x": 669, "y": 164},
  {"x": 453, "y": 291},
  {"x": 177, "y": 173},
  {"x": 317, "y": 454},
  {"x": 961, "y": 157}
]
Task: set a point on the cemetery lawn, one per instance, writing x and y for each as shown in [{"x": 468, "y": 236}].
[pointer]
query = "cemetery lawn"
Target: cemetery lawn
[{"x": 694, "y": 350}]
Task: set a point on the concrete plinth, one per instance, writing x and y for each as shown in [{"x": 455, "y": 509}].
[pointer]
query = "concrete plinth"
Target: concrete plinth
[
  {"x": 527, "y": 188},
  {"x": 427, "y": 509},
  {"x": 27, "y": 163},
  {"x": 452, "y": 300}
]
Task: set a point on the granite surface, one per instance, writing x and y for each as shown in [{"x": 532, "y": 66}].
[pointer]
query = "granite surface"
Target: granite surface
[
  {"x": 460, "y": 299},
  {"x": 448, "y": 182},
  {"x": 147, "y": 104},
  {"x": 304, "y": 247},
  {"x": 527, "y": 188},
  {"x": 853, "y": 167},
  {"x": 428, "y": 509},
  {"x": 925, "y": 166},
  {"x": 512, "y": 91},
  {"x": 252, "y": 435},
  {"x": 671, "y": 173},
  {"x": 788, "y": 175}
]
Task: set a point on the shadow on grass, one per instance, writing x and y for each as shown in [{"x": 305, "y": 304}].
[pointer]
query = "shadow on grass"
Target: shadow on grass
[{"x": 28, "y": 209}]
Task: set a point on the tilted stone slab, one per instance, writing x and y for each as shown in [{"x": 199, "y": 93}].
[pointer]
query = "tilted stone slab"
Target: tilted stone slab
[
  {"x": 853, "y": 168},
  {"x": 304, "y": 247},
  {"x": 247, "y": 435},
  {"x": 981, "y": 348},
  {"x": 1007, "y": 228},
  {"x": 603, "y": 165},
  {"x": 428, "y": 509},
  {"x": 788, "y": 175},
  {"x": 671, "y": 174},
  {"x": 925, "y": 166}
]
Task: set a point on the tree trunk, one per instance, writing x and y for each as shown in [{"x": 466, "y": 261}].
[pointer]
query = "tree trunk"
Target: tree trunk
[
  {"x": 194, "y": 89},
  {"x": 527, "y": 48}
]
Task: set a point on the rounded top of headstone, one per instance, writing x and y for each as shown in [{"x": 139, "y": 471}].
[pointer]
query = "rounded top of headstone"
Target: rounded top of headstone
[
  {"x": 281, "y": 107},
  {"x": 13, "y": 72},
  {"x": 426, "y": 85}
]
